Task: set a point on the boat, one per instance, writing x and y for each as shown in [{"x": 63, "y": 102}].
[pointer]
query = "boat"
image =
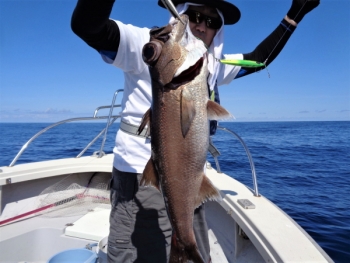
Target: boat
[{"x": 44, "y": 220}]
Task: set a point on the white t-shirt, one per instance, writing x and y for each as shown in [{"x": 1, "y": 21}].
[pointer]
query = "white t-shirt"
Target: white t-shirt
[{"x": 131, "y": 153}]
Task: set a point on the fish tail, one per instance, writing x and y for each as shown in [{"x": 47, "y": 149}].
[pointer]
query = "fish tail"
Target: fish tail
[
  {"x": 181, "y": 254},
  {"x": 195, "y": 255}
]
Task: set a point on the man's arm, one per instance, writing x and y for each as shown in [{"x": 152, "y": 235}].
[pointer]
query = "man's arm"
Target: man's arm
[
  {"x": 90, "y": 21},
  {"x": 271, "y": 46}
]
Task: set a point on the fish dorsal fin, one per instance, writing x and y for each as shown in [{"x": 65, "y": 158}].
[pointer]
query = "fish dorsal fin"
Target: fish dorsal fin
[
  {"x": 188, "y": 111},
  {"x": 150, "y": 175},
  {"x": 146, "y": 121},
  {"x": 217, "y": 112},
  {"x": 207, "y": 192}
]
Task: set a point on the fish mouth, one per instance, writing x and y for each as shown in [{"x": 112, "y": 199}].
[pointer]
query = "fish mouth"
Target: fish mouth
[
  {"x": 187, "y": 75},
  {"x": 183, "y": 62}
]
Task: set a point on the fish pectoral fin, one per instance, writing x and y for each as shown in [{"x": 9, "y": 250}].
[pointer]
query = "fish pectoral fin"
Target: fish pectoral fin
[
  {"x": 146, "y": 121},
  {"x": 150, "y": 175},
  {"x": 207, "y": 192},
  {"x": 217, "y": 112},
  {"x": 188, "y": 111}
]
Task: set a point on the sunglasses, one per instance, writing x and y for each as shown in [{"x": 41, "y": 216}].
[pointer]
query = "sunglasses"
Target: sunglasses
[{"x": 197, "y": 17}]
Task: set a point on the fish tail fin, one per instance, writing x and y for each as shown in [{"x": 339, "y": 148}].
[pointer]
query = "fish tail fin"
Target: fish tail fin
[
  {"x": 181, "y": 254},
  {"x": 207, "y": 191},
  {"x": 194, "y": 255}
]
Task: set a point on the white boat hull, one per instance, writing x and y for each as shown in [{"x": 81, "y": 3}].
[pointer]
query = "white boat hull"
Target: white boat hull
[{"x": 261, "y": 234}]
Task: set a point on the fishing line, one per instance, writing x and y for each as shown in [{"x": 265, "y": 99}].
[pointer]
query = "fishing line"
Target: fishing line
[
  {"x": 234, "y": 62},
  {"x": 287, "y": 29},
  {"x": 251, "y": 63}
]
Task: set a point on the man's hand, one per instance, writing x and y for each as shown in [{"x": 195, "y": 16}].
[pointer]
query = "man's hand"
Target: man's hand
[{"x": 300, "y": 8}]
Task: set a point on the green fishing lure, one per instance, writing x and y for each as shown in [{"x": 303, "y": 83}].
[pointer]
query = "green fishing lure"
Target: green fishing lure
[{"x": 242, "y": 63}]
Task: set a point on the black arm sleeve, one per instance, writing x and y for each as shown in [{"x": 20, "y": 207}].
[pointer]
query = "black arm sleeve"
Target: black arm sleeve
[
  {"x": 90, "y": 21},
  {"x": 269, "y": 48}
]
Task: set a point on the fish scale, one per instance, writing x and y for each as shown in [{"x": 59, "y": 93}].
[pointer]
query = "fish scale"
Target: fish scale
[{"x": 183, "y": 177}]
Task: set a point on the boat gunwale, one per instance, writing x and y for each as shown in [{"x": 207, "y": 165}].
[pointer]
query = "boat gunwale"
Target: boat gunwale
[{"x": 250, "y": 221}]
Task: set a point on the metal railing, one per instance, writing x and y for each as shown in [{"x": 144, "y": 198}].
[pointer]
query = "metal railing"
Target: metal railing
[
  {"x": 252, "y": 166},
  {"x": 110, "y": 120}
]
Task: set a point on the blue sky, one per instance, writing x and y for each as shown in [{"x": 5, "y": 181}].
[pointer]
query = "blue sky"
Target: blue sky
[{"x": 48, "y": 74}]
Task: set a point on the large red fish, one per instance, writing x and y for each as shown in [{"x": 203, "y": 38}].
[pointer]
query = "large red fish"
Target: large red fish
[{"x": 179, "y": 128}]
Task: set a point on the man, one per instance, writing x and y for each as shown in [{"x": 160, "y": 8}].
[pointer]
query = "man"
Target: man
[{"x": 139, "y": 227}]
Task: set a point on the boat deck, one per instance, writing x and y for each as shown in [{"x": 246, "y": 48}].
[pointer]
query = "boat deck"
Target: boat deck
[{"x": 38, "y": 238}]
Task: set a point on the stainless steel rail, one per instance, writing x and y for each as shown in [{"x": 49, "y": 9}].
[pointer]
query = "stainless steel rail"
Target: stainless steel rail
[
  {"x": 252, "y": 166},
  {"x": 108, "y": 121},
  {"x": 93, "y": 141},
  {"x": 104, "y": 107},
  {"x": 94, "y": 118}
]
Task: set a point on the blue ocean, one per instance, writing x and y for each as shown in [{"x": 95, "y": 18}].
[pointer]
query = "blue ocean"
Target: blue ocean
[{"x": 303, "y": 167}]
